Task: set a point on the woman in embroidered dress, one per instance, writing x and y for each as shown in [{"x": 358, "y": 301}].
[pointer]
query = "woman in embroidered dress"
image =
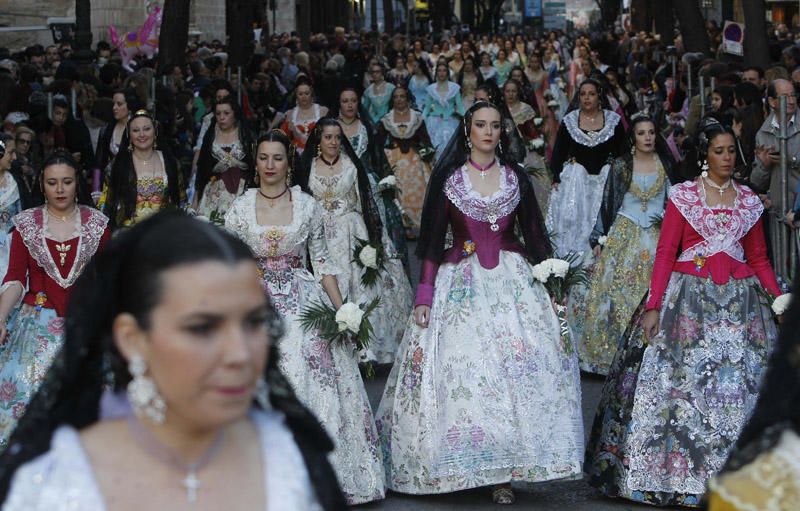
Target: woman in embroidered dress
[
  {"x": 10, "y": 200},
  {"x": 589, "y": 138},
  {"x": 142, "y": 179},
  {"x": 399, "y": 74},
  {"x": 469, "y": 79},
  {"x": 762, "y": 472},
  {"x": 418, "y": 84},
  {"x": 529, "y": 124},
  {"x": 173, "y": 311},
  {"x": 283, "y": 227},
  {"x": 341, "y": 185},
  {"x": 299, "y": 121},
  {"x": 629, "y": 223},
  {"x": 686, "y": 378},
  {"x": 50, "y": 246},
  {"x": 114, "y": 135},
  {"x": 376, "y": 96},
  {"x": 487, "y": 70},
  {"x": 503, "y": 67},
  {"x": 224, "y": 168},
  {"x": 443, "y": 110},
  {"x": 406, "y": 140},
  {"x": 363, "y": 138},
  {"x": 483, "y": 391}
]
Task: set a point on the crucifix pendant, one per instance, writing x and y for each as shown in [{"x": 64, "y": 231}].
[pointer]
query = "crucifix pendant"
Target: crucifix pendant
[{"x": 192, "y": 484}]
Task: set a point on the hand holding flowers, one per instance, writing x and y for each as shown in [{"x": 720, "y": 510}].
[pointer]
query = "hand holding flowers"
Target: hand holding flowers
[
  {"x": 349, "y": 323},
  {"x": 369, "y": 258}
]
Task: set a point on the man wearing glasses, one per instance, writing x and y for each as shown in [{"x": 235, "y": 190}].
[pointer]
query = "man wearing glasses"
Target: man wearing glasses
[
  {"x": 766, "y": 166},
  {"x": 25, "y": 170}
]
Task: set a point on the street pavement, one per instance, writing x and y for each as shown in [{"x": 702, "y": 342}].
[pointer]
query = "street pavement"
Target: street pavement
[{"x": 554, "y": 496}]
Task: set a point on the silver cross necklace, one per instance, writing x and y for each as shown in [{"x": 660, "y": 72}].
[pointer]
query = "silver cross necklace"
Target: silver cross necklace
[{"x": 166, "y": 455}]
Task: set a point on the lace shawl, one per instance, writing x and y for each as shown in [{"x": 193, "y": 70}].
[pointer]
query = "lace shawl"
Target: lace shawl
[
  {"x": 393, "y": 127},
  {"x": 593, "y": 138},
  {"x": 30, "y": 225},
  {"x": 721, "y": 234},
  {"x": 477, "y": 207}
]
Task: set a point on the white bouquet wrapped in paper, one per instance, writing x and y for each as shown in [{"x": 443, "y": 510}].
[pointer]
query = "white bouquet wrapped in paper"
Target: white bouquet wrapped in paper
[{"x": 602, "y": 240}]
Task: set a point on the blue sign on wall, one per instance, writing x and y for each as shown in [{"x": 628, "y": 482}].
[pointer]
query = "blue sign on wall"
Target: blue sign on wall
[{"x": 533, "y": 8}]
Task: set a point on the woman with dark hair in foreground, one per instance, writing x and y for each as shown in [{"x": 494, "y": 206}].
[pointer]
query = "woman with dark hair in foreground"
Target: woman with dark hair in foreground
[{"x": 170, "y": 365}]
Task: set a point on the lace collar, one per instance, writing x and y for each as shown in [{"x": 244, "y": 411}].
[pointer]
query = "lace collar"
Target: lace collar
[
  {"x": 393, "y": 127},
  {"x": 524, "y": 114},
  {"x": 452, "y": 90},
  {"x": 572, "y": 122},
  {"x": 721, "y": 228},
  {"x": 305, "y": 122},
  {"x": 478, "y": 207},
  {"x": 30, "y": 225}
]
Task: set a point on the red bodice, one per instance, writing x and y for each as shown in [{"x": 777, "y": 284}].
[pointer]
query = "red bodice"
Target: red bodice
[
  {"x": 36, "y": 260},
  {"x": 731, "y": 245}
]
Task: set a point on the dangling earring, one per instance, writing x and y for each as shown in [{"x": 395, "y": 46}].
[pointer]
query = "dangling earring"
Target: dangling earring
[
  {"x": 500, "y": 146},
  {"x": 289, "y": 177},
  {"x": 704, "y": 166},
  {"x": 257, "y": 179},
  {"x": 633, "y": 151},
  {"x": 130, "y": 146},
  {"x": 319, "y": 151},
  {"x": 143, "y": 393}
]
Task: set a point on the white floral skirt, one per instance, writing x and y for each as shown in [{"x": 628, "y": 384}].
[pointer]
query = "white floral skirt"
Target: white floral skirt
[
  {"x": 487, "y": 393},
  {"x": 327, "y": 380}
]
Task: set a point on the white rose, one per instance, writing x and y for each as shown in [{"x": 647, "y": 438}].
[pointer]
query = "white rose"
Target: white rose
[
  {"x": 541, "y": 273},
  {"x": 368, "y": 257},
  {"x": 602, "y": 240},
  {"x": 537, "y": 121},
  {"x": 781, "y": 304},
  {"x": 348, "y": 317},
  {"x": 552, "y": 104},
  {"x": 388, "y": 181},
  {"x": 560, "y": 268}
]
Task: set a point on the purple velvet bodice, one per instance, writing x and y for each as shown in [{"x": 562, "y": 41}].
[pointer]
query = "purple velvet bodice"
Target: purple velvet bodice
[{"x": 481, "y": 227}]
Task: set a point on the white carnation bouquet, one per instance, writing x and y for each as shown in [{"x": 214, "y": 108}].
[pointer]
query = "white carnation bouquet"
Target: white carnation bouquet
[
  {"x": 349, "y": 323},
  {"x": 777, "y": 305},
  {"x": 369, "y": 258},
  {"x": 558, "y": 276}
]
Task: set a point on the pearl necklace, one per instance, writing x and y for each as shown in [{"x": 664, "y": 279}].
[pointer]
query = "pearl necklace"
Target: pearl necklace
[{"x": 721, "y": 189}]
